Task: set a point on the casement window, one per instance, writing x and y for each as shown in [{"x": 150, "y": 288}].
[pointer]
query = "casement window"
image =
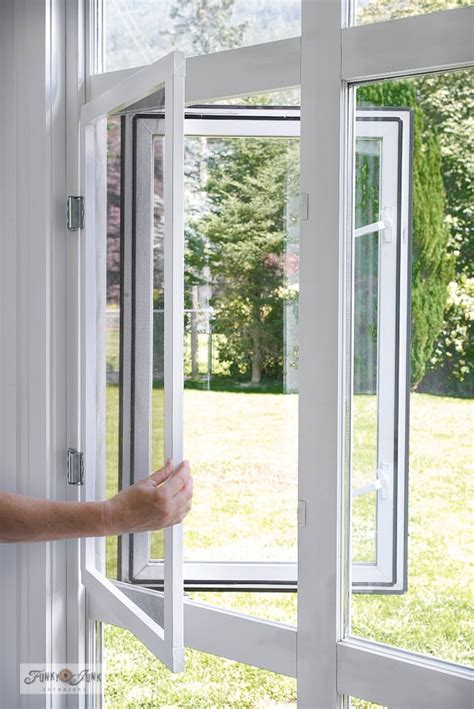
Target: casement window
[
  {"x": 381, "y": 253},
  {"x": 346, "y": 349},
  {"x": 165, "y": 634},
  {"x": 382, "y": 239}
]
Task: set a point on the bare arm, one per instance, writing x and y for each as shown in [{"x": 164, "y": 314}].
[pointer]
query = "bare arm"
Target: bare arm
[{"x": 159, "y": 501}]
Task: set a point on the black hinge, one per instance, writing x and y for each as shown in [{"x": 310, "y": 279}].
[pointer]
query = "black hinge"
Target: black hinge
[
  {"x": 75, "y": 467},
  {"x": 75, "y": 213}
]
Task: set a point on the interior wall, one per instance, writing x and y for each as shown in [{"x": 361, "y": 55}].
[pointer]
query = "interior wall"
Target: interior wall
[{"x": 32, "y": 329}]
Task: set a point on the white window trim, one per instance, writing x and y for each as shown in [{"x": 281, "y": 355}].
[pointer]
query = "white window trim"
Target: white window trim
[
  {"x": 413, "y": 45},
  {"x": 235, "y": 636},
  {"x": 235, "y": 72}
]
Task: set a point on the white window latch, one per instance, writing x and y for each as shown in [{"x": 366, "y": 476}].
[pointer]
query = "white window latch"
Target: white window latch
[
  {"x": 380, "y": 483},
  {"x": 384, "y": 224},
  {"x": 386, "y": 220}
]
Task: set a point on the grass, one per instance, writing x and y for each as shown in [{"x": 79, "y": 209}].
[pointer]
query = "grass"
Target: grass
[
  {"x": 435, "y": 615},
  {"x": 242, "y": 447}
]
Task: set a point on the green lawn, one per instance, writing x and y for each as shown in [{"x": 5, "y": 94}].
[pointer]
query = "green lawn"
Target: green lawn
[{"x": 242, "y": 448}]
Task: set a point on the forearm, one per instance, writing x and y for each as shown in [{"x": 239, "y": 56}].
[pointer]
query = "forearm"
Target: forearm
[{"x": 29, "y": 519}]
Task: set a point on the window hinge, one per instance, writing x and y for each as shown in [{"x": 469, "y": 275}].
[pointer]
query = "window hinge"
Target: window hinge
[
  {"x": 75, "y": 467},
  {"x": 384, "y": 224},
  {"x": 75, "y": 213}
]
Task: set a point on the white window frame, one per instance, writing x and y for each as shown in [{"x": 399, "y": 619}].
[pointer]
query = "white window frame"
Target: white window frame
[
  {"x": 333, "y": 57},
  {"x": 331, "y": 663},
  {"x": 388, "y": 573}
]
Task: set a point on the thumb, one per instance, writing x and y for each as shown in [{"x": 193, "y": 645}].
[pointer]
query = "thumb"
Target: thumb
[{"x": 159, "y": 476}]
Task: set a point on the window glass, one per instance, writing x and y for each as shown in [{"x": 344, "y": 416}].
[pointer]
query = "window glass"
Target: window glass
[
  {"x": 133, "y": 678},
  {"x": 368, "y": 11},
  {"x": 157, "y": 538},
  {"x": 366, "y": 267},
  {"x": 113, "y": 327},
  {"x": 434, "y": 615},
  {"x": 363, "y": 704},
  {"x": 241, "y": 347},
  {"x": 138, "y": 32}
]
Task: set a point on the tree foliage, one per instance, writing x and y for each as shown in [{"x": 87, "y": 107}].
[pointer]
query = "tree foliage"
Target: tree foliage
[
  {"x": 381, "y": 10},
  {"x": 432, "y": 265},
  {"x": 244, "y": 232},
  {"x": 454, "y": 350},
  {"x": 202, "y": 26},
  {"x": 447, "y": 103}
]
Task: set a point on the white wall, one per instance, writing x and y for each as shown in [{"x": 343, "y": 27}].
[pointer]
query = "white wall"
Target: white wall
[{"x": 32, "y": 327}]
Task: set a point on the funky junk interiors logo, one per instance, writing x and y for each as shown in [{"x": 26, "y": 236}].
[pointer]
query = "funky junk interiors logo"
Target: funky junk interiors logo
[{"x": 59, "y": 679}]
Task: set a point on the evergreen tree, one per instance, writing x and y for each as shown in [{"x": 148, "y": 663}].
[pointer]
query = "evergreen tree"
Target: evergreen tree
[
  {"x": 447, "y": 103},
  {"x": 248, "y": 185},
  {"x": 432, "y": 265}
]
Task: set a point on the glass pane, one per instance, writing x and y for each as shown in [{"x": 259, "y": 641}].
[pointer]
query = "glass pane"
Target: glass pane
[
  {"x": 363, "y": 704},
  {"x": 133, "y": 679},
  {"x": 368, "y": 11},
  {"x": 241, "y": 358},
  {"x": 138, "y": 32},
  {"x": 272, "y": 606},
  {"x": 158, "y": 328},
  {"x": 364, "y": 425},
  {"x": 113, "y": 327},
  {"x": 434, "y": 616}
]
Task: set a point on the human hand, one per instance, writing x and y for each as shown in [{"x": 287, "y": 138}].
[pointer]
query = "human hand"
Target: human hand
[{"x": 161, "y": 500}]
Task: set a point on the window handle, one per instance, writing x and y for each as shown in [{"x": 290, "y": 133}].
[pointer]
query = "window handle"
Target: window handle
[
  {"x": 381, "y": 483},
  {"x": 386, "y": 218},
  {"x": 384, "y": 224}
]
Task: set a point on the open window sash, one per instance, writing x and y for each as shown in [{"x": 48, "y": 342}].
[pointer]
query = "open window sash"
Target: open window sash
[
  {"x": 380, "y": 361},
  {"x": 136, "y": 560},
  {"x": 162, "y": 633},
  {"x": 162, "y": 619},
  {"x": 383, "y": 140}
]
